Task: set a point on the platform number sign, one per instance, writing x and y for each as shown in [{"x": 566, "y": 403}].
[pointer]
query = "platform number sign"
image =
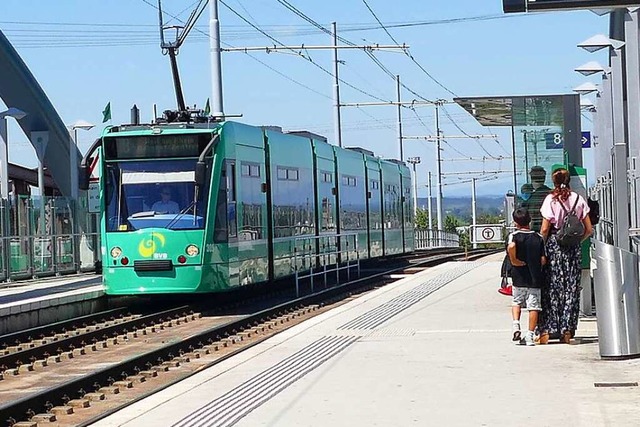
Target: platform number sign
[{"x": 554, "y": 140}]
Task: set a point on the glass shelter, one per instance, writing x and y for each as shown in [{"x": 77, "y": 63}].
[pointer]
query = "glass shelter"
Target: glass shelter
[{"x": 545, "y": 130}]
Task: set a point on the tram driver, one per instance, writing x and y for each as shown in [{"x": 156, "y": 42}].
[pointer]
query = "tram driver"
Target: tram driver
[{"x": 165, "y": 205}]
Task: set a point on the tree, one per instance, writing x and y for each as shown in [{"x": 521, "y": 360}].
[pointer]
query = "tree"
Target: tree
[
  {"x": 422, "y": 219},
  {"x": 451, "y": 223}
]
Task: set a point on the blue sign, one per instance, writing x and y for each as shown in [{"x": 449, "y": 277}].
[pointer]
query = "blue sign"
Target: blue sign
[
  {"x": 586, "y": 139},
  {"x": 554, "y": 140}
]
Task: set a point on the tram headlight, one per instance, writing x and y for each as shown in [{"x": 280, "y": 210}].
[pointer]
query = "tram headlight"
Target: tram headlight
[
  {"x": 115, "y": 252},
  {"x": 192, "y": 250}
]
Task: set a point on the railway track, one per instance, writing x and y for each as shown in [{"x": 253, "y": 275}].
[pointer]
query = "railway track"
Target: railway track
[{"x": 101, "y": 370}]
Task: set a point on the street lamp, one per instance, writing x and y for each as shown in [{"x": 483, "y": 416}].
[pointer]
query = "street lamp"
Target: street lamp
[
  {"x": 613, "y": 91},
  {"x": 600, "y": 41},
  {"x": 414, "y": 161},
  {"x": 585, "y": 88},
  {"x": 590, "y": 68},
  {"x": 17, "y": 114},
  {"x": 73, "y": 155}
]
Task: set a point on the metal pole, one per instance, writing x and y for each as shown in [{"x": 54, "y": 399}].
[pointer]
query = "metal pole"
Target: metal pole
[
  {"x": 400, "y": 120},
  {"x": 620, "y": 152},
  {"x": 4, "y": 160},
  {"x": 473, "y": 212},
  {"x": 618, "y": 101},
  {"x": 42, "y": 231},
  {"x": 336, "y": 88},
  {"x": 605, "y": 142},
  {"x": 73, "y": 161},
  {"x": 415, "y": 191},
  {"x": 216, "y": 60},
  {"x": 4, "y": 197},
  {"x": 513, "y": 160},
  {"x": 429, "y": 203},
  {"x": 632, "y": 62},
  {"x": 438, "y": 171}
]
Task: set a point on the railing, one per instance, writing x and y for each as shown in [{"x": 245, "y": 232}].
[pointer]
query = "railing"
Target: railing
[
  {"x": 430, "y": 238},
  {"x": 44, "y": 237},
  {"x": 321, "y": 256},
  {"x": 32, "y": 256}
]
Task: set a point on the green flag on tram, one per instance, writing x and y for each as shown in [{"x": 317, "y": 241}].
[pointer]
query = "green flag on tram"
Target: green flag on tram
[{"x": 106, "y": 113}]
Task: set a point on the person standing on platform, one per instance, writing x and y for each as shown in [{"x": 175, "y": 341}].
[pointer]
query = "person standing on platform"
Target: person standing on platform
[
  {"x": 561, "y": 300},
  {"x": 526, "y": 253},
  {"x": 536, "y": 198}
]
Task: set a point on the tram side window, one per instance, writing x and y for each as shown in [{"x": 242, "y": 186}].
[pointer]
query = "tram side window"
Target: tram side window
[
  {"x": 251, "y": 202},
  {"x": 220, "y": 234},
  {"x": 392, "y": 206},
  {"x": 374, "y": 205},
  {"x": 353, "y": 204},
  {"x": 293, "y": 203},
  {"x": 408, "y": 213},
  {"x": 327, "y": 202}
]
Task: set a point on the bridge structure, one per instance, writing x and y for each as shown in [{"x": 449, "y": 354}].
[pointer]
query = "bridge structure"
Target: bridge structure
[{"x": 42, "y": 125}]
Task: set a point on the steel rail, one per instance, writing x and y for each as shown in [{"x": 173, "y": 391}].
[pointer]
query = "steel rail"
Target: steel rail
[
  {"x": 21, "y": 337},
  {"x": 29, "y": 355}
]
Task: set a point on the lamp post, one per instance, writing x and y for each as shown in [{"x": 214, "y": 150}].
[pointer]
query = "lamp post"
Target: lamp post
[
  {"x": 73, "y": 155},
  {"x": 73, "y": 163},
  {"x": 414, "y": 161},
  {"x": 473, "y": 213},
  {"x": 4, "y": 149},
  {"x": 4, "y": 182},
  {"x": 614, "y": 84}
]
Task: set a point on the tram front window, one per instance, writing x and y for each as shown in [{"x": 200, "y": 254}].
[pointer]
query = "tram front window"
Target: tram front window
[{"x": 159, "y": 194}]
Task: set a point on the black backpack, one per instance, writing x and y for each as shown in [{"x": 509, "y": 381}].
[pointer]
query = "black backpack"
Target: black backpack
[{"x": 571, "y": 229}]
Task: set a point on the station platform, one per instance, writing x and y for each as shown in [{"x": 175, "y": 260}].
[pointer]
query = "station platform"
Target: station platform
[
  {"x": 29, "y": 303},
  {"x": 431, "y": 349}
]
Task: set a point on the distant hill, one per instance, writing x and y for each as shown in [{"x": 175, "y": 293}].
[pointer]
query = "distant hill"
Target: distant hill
[{"x": 461, "y": 206}]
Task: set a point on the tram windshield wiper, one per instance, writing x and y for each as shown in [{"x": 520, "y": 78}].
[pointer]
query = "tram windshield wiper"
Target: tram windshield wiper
[
  {"x": 182, "y": 213},
  {"x": 145, "y": 214}
]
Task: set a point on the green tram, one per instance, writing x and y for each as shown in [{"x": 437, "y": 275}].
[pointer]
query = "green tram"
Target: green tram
[{"x": 210, "y": 207}]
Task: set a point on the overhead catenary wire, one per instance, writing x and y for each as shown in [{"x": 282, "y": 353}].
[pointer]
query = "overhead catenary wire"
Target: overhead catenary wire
[
  {"x": 291, "y": 79},
  {"x": 406, "y": 51},
  {"x": 370, "y": 54},
  {"x": 308, "y": 58}
]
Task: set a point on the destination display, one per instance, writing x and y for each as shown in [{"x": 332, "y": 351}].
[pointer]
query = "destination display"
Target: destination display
[
  {"x": 516, "y": 6},
  {"x": 156, "y": 146}
]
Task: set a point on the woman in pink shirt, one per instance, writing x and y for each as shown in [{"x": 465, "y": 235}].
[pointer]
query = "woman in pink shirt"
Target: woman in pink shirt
[{"x": 561, "y": 299}]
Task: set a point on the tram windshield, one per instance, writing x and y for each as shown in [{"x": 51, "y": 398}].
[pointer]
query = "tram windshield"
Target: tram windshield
[{"x": 154, "y": 193}]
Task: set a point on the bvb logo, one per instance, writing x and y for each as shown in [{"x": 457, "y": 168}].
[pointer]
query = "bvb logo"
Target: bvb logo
[{"x": 148, "y": 247}]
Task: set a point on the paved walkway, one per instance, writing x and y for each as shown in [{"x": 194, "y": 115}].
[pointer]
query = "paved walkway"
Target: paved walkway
[{"x": 445, "y": 359}]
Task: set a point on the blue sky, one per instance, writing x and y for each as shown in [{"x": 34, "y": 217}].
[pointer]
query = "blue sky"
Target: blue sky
[{"x": 86, "y": 53}]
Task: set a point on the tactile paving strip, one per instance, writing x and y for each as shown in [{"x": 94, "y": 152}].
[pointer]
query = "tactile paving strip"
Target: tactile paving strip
[
  {"x": 229, "y": 408},
  {"x": 386, "y": 311}
]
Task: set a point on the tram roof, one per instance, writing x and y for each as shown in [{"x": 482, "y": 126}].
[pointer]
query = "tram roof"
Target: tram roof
[{"x": 498, "y": 110}]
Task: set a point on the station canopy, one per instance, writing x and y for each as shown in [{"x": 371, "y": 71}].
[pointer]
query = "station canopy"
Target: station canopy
[{"x": 530, "y": 110}]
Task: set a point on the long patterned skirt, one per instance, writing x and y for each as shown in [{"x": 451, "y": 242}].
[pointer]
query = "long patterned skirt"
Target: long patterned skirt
[{"x": 561, "y": 297}]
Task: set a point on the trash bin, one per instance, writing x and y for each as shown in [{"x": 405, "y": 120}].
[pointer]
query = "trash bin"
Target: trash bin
[{"x": 615, "y": 276}]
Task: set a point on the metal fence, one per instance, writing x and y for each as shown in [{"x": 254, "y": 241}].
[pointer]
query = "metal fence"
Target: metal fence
[
  {"x": 319, "y": 258},
  {"x": 430, "y": 238},
  {"x": 45, "y": 237}
]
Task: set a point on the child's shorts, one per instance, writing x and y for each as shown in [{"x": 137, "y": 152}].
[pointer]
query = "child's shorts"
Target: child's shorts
[{"x": 528, "y": 298}]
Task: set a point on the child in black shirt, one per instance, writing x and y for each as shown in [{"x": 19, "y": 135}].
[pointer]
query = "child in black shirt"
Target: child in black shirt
[{"x": 526, "y": 252}]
